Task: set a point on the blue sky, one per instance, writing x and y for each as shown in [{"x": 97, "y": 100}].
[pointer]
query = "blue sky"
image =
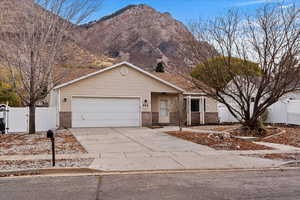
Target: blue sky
[{"x": 186, "y": 10}]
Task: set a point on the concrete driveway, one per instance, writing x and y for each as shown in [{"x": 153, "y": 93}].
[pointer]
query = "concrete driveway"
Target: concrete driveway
[{"x": 127, "y": 149}]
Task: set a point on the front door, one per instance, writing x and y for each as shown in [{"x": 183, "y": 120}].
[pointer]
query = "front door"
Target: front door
[{"x": 164, "y": 115}]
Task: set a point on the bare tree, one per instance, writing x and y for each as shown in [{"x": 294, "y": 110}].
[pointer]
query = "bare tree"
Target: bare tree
[
  {"x": 271, "y": 39},
  {"x": 36, "y": 41}
]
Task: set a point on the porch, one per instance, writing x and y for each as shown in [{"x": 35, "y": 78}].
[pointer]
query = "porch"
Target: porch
[{"x": 166, "y": 109}]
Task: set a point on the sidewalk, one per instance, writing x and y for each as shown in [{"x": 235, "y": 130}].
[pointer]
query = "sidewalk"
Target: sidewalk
[{"x": 179, "y": 160}]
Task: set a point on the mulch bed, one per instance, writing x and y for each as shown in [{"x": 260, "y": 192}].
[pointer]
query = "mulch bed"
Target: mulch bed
[
  {"x": 37, "y": 164},
  {"x": 218, "y": 142},
  {"x": 224, "y": 128},
  {"x": 246, "y": 133},
  {"x": 290, "y": 137},
  {"x": 36, "y": 144}
]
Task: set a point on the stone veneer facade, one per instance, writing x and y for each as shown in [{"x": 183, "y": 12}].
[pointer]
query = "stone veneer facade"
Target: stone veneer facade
[
  {"x": 211, "y": 118},
  {"x": 65, "y": 119}
]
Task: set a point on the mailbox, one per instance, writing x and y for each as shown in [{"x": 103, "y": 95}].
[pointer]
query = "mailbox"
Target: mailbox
[{"x": 50, "y": 134}]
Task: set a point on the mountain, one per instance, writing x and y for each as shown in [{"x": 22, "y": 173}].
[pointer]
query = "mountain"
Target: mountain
[
  {"x": 73, "y": 55},
  {"x": 138, "y": 34}
]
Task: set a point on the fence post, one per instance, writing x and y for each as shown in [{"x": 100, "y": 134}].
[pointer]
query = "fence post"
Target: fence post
[{"x": 286, "y": 112}]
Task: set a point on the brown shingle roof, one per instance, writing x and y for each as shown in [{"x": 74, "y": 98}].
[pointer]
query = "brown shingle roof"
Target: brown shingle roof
[
  {"x": 180, "y": 81},
  {"x": 184, "y": 82},
  {"x": 72, "y": 74}
]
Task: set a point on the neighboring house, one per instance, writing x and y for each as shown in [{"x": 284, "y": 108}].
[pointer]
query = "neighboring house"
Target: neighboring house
[
  {"x": 292, "y": 95},
  {"x": 124, "y": 95},
  {"x": 285, "y": 111}
]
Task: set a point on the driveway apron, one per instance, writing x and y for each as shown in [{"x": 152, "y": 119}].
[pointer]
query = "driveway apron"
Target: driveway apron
[{"x": 134, "y": 149}]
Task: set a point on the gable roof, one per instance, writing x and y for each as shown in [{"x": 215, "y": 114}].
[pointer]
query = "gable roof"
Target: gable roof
[
  {"x": 185, "y": 82},
  {"x": 115, "y": 66}
]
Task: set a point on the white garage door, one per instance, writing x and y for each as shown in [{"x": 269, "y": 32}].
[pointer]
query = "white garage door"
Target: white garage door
[{"x": 105, "y": 112}]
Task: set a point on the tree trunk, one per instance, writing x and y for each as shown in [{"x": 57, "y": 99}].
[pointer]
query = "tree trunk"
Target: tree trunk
[
  {"x": 255, "y": 126},
  {"x": 252, "y": 124},
  {"x": 32, "y": 119}
]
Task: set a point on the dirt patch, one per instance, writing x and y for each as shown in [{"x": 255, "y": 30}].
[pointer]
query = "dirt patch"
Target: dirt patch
[
  {"x": 291, "y": 136},
  {"x": 34, "y": 144},
  {"x": 217, "y": 141},
  {"x": 37, "y": 164},
  {"x": 280, "y": 156}
]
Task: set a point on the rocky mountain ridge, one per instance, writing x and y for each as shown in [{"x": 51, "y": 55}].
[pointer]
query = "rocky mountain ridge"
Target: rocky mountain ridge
[{"x": 138, "y": 34}]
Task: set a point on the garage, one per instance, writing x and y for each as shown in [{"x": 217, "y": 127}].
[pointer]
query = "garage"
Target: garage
[
  {"x": 115, "y": 96},
  {"x": 105, "y": 112}
]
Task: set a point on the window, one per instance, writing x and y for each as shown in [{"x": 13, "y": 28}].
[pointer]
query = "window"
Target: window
[{"x": 195, "y": 105}]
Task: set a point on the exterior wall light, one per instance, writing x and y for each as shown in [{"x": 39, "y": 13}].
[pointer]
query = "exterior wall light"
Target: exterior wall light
[{"x": 145, "y": 103}]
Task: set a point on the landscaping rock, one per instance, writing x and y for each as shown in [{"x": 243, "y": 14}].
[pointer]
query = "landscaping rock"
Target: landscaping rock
[
  {"x": 37, "y": 144},
  {"x": 38, "y": 164}
]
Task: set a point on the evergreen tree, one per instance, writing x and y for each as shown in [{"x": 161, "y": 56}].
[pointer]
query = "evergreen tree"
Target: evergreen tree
[{"x": 160, "y": 67}]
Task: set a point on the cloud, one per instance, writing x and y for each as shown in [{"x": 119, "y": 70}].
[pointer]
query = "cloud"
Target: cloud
[{"x": 255, "y": 2}]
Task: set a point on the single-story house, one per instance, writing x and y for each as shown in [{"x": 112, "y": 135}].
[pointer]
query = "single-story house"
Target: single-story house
[{"x": 124, "y": 95}]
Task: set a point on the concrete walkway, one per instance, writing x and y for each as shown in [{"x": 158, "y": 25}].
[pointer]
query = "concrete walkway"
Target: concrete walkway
[
  {"x": 126, "y": 149},
  {"x": 281, "y": 147}
]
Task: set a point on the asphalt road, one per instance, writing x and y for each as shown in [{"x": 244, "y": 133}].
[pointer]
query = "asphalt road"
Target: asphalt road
[{"x": 271, "y": 185}]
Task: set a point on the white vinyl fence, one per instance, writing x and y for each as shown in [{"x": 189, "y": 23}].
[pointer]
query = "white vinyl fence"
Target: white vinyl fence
[
  {"x": 224, "y": 115},
  {"x": 293, "y": 112},
  {"x": 18, "y": 119},
  {"x": 282, "y": 112}
]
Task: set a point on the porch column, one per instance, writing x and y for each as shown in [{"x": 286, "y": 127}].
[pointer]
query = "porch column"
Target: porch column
[
  {"x": 180, "y": 111},
  {"x": 202, "y": 110},
  {"x": 188, "y": 111}
]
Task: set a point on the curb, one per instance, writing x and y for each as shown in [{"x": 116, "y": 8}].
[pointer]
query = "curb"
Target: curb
[
  {"x": 94, "y": 172},
  {"x": 195, "y": 170}
]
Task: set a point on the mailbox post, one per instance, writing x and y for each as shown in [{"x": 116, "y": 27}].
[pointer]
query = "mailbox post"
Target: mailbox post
[{"x": 50, "y": 135}]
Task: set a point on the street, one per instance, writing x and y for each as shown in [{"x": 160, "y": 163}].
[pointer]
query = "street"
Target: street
[{"x": 271, "y": 185}]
